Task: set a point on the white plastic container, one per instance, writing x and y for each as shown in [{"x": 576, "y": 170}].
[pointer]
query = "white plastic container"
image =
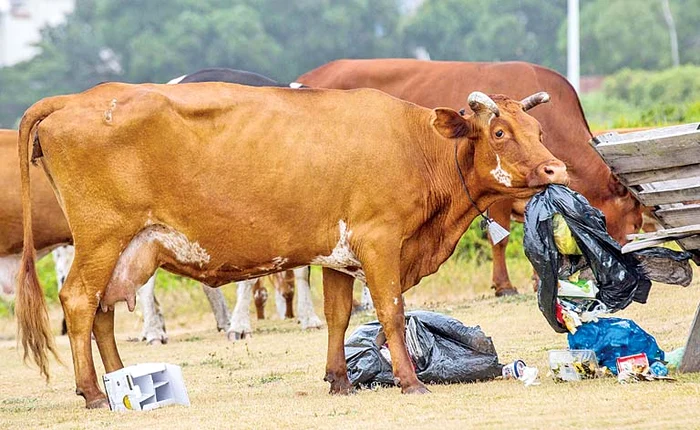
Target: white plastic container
[{"x": 146, "y": 386}]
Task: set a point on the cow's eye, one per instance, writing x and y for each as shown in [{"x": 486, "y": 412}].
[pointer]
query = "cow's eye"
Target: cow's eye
[{"x": 499, "y": 134}]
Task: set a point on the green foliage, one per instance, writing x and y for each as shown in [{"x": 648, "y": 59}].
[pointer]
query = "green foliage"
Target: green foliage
[
  {"x": 473, "y": 30},
  {"x": 166, "y": 281},
  {"x": 47, "y": 278},
  {"x": 476, "y": 246},
  {"x": 639, "y": 98}
]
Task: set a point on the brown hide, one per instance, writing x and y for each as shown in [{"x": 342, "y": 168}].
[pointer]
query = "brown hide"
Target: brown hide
[
  {"x": 221, "y": 182},
  {"x": 50, "y": 227},
  {"x": 566, "y": 132}
]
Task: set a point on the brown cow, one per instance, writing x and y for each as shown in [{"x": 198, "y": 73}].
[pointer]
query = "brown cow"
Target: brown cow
[
  {"x": 566, "y": 133},
  {"x": 50, "y": 227},
  {"x": 170, "y": 175}
]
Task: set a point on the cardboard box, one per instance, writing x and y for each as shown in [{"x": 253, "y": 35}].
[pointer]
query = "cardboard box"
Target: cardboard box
[{"x": 636, "y": 363}]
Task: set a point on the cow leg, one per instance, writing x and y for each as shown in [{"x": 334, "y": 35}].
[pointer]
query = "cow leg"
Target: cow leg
[
  {"x": 153, "y": 321},
  {"x": 9, "y": 267},
  {"x": 80, "y": 298},
  {"x": 240, "y": 319},
  {"x": 500, "y": 212},
  {"x": 337, "y": 305},
  {"x": 217, "y": 301},
  {"x": 62, "y": 259},
  {"x": 260, "y": 298},
  {"x": 284, "y": 293},
  {"x": 305, "y": 306},
  {"x": 366, "y": 304},
  {"x": 385, "y": 286},
  {"x": 103, "y": 329}
]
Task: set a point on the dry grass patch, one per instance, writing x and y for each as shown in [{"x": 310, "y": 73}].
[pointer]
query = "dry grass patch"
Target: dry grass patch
[{"x": 274, "y": 380}]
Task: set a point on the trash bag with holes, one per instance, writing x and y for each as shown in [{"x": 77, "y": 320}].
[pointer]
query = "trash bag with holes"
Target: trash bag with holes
[
  {"x": 620, "y": 278},
  {"x": 442, "y": 349}
]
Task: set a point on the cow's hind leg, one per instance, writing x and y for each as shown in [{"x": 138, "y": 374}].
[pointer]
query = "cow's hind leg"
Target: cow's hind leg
[
  {"x": 217, "y": 301},
  {"x": 337, "y": 305},
  {"x": 103, "y": 329},
  {"x": 284, "y": 293},
  {"x": 305, "y": 306},
  {"x": 80, "y": 297},
  {"x": 500, "y": 212},
  {"x": 240, "y": 317},
  {"x": 153, "y": 322},
  {"x": 260, "y": 298}
]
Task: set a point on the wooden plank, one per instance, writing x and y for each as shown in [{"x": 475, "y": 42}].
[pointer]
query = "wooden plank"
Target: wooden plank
[
  {"x": 679, "y": 216},
  {"x": 650, "y": 150},
  {"x": 693, "y": 242},
  {"x": 643, "y": 244},
  {"x": 656, "y": 175},
  {"x": 683, "y": 193},
  {"x": 646, "y": 134},
  {"x": 691, "y": 357},
  {"x": 673, "y": 233}
]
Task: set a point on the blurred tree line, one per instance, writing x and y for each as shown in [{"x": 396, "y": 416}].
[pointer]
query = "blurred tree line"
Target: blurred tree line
[{"x": 156, "y": 40}]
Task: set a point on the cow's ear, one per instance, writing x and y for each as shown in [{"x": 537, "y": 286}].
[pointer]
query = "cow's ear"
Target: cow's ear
[{"x": 449, "y": 123}]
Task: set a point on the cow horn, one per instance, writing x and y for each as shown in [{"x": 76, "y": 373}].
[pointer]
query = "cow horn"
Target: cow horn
[
  {"x": 479, "y": 101},
  {"x": 535, "y": 99}
]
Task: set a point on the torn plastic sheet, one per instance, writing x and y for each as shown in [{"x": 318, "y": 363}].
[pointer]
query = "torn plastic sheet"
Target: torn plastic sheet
[
  {"x": 620, "y": 278},
  {"x": 443, "y": 350}
]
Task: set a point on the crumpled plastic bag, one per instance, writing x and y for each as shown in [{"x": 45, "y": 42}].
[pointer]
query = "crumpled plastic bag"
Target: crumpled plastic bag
[
  {"x": 443, "y": 350},
  {"x": 620, "y": 277},
  {"x": 611, "y": 338}
]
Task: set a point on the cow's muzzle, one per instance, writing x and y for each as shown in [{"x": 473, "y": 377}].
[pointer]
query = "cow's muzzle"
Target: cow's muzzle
[{"x": 549, "y": 172}]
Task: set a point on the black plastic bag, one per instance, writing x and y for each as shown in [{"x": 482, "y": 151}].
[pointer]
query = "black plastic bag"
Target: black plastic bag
[
  {"x": 620, "y": 277},
  {"x": 443, "y": 350}
]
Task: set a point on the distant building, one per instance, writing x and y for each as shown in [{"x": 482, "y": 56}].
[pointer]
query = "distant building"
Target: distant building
[{"x": 20, "y": 25}]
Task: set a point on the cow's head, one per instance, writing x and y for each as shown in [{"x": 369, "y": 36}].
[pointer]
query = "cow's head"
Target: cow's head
[{"x": 505, "y": 152}]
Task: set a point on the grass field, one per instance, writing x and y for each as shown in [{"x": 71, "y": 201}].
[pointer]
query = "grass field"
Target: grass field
[{"x": 274, "y": 380}]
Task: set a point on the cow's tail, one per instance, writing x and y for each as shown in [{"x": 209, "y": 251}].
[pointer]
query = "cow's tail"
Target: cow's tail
[{"x": 33, "y": 328}]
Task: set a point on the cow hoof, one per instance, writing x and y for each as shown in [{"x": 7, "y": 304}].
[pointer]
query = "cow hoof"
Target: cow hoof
[
  {"x": 415, "y": 389},
  {"x": 339, "y": 386},
  {"x": 312, "y": 322},
  {"x": 157, "y": 341},
  {"x": 97, "y": 404},
  {"x": 233, "y": 336},
  {"x": 508, "y": 291}
]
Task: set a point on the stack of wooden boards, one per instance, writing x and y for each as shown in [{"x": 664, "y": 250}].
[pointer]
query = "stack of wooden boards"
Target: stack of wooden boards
[{"x": 661, "y": 167}]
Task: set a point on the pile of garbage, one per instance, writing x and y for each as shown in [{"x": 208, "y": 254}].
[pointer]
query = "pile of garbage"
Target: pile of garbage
[
  {"x": 582, "y": 271},
  {"x": 583, "y": 277}
]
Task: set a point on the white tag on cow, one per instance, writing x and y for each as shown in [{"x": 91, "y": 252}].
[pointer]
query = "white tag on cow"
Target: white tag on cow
[{"x": 496, "y": 232}]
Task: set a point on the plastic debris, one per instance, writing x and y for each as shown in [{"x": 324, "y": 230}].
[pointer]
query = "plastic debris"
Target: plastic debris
[
  {"x": 658, "y": 369},
  {"x": 573, "y": 364},
  {"x": 530, "y": 376},
  {"x": 612, "y": 338},
  {"x": 620, "y": 278},
  {"x": 513, "y": 370},
  {"x": 145, "y": 386},
  {"x": 635, "y": 368},
  {"x": 443, "y": 350},
  {"x": 673, "y": 359}
]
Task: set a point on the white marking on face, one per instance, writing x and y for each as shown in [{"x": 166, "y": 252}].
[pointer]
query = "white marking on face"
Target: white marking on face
[
  {"x": 396, "y": 301},
  {"x": 342, "y": 257},
  {"x": 500, "y": 174}
]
